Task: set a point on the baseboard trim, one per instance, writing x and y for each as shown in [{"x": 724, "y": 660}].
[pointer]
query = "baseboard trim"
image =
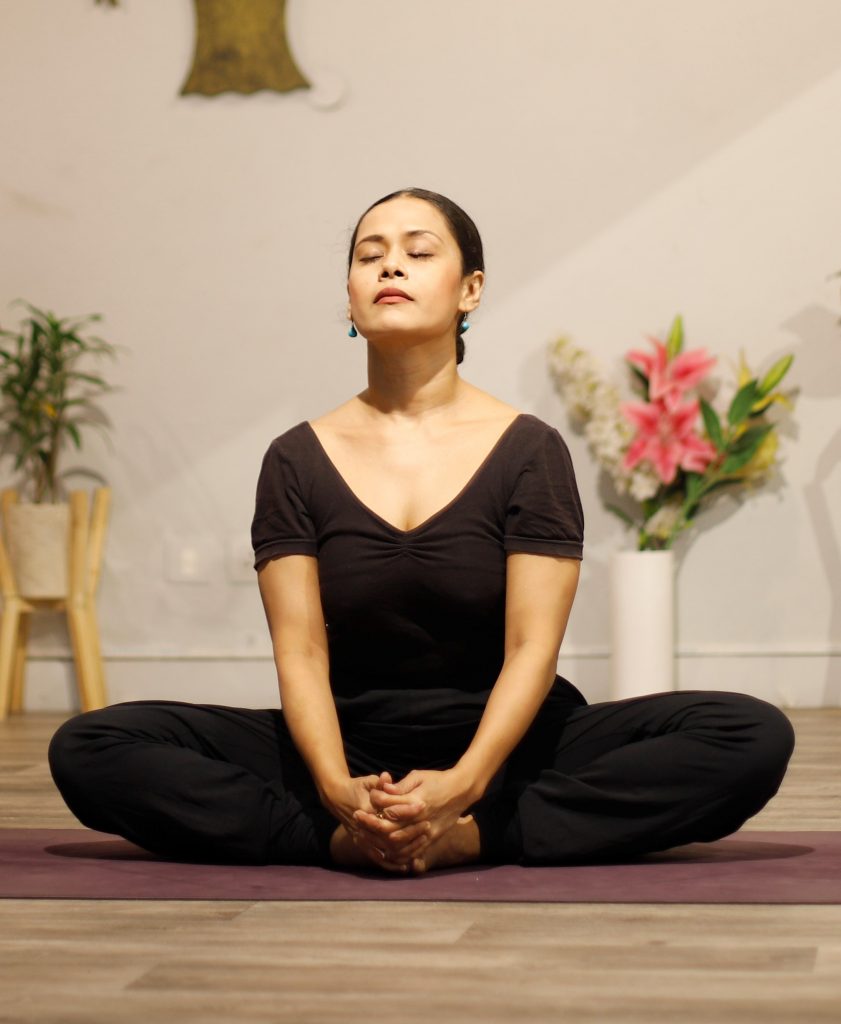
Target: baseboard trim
[{"x": 805, "y": 679}]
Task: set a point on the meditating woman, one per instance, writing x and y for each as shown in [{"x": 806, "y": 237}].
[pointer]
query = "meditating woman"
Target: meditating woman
[{"x": 417, "y": 552}]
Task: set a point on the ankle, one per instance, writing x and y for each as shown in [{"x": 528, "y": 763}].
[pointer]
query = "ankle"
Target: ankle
[{"x": 469, "y": 840}]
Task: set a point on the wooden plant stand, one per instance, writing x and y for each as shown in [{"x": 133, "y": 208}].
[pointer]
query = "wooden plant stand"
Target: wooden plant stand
[{"x": 87, "y": 535}]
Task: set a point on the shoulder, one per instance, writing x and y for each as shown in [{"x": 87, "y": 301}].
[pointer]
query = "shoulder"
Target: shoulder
[
  {"x": 538, "y": 452},
  {"x": 291, "y": 441},
  {"x": 477, "y": 405},
  {"x": 287, "y": 456},
  {"x": 536, "y": 433},
  {"x": 529, "y": 428},
  {"x": 345, "y": 418}
]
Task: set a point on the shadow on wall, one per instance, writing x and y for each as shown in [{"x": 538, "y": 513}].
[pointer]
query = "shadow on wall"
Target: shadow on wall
[
  {"x": 817, "y": 359},
  {"x": 588, "y": 628}
]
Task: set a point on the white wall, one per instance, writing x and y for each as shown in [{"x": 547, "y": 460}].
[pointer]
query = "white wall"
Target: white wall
[{"x": 624, "y": 161}]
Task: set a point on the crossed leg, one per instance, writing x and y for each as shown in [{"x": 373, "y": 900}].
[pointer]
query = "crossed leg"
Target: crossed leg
[
  {"x": 616, "y": 779},
  {"x": 194, "y": 782},
  {"x": 623, "y": 778}
]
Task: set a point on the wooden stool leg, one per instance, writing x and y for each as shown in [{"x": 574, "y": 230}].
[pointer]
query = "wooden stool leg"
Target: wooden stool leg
[
  {"x": 8, "y": 651},
  {"x": 99, "y": 665},
  {"x": 76, "y": 618},
  {"x": 97, "y": 675},
  {"x": 86, "y": 675},
  {"x": 19, "y": 667},
  {"x": 96, "y": 539}
]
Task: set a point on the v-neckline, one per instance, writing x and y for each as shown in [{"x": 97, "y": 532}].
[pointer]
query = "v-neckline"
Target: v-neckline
[{"x": 435, "y": 515}]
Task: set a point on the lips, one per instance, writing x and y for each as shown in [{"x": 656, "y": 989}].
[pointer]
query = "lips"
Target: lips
[{"x": 392, "y": 294}]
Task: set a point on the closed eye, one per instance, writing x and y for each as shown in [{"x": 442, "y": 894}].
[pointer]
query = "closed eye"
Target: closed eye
[{"x": 416, "y": 255}]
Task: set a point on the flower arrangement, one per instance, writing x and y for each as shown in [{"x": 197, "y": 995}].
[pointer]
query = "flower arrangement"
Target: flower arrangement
[{"x": 668, "y": 453}]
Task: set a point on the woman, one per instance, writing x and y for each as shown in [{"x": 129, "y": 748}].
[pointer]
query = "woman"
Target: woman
[{"x": 418, "y": 551}]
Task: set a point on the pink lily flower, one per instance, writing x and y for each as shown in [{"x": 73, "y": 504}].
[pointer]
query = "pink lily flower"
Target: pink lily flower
[
  {"x": 666, "y": 437},
  {"x": 671, "y": 378}
]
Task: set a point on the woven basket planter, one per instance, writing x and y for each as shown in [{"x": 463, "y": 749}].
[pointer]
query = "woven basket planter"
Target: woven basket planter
[{"x": 38, "y": 541}]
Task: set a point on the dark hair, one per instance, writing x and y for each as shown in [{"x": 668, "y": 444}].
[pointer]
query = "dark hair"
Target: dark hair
[{"x": 464, "y": 231}]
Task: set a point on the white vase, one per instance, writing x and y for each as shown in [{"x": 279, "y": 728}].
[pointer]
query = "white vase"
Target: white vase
[{"x": 642, "y": 621}]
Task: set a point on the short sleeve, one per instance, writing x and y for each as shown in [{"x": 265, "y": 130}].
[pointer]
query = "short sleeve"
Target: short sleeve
[
  {"x": 544, "y": 515},
  {"x": 281, "y": 525}
]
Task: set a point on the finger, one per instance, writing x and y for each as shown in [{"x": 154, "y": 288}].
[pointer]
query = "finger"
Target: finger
[
  {"x": 406, "y": 855},
  {"x": 409, "y": 833},
  {"x": 418, "y": 846},
  {"x": 383, "y": 801},
  {"x": 374, "y": 825},
  {"x": 406, "y": 785},
  {"x": 402, "y": 814},
  {"x": 402, "y": 849},
  {"x": 369, "y": 781},
  {"x": 370, "y": 824},
  {"x": 376, "y": 782}
]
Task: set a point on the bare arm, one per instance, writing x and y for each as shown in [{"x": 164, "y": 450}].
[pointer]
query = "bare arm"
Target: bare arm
[
  {"x": 292, "y": 601},
  {"x": 540, "y": 590}
]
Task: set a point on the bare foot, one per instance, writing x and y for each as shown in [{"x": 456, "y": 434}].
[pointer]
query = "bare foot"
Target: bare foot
[
  {"x": 459, "y": 845},
  {"x": 345, "y": 852}
]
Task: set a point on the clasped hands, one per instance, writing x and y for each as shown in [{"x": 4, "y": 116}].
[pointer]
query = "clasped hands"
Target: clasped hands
[{"x": 394, "y": 823}]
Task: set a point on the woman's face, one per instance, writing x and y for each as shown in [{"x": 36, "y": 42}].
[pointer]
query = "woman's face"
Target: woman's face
[{"x": 407, "y": 244}]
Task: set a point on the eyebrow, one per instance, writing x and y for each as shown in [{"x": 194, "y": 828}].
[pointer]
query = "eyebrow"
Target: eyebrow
[{"x": 406, "y": 234}]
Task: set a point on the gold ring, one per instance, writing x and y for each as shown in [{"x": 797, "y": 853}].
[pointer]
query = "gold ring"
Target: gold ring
[{"x": 380, "y": 814}]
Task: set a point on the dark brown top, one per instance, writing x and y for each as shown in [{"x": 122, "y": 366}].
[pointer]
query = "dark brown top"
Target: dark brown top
[{"x": 416, "y": 618}]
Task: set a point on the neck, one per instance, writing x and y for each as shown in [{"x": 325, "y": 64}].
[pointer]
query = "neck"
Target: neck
[{"x": 415, "y": 382}]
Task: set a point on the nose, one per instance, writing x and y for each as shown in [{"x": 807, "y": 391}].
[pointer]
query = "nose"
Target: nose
[{"x": 391, "y": 265}]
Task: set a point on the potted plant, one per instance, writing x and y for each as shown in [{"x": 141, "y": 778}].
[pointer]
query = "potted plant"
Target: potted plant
[
  {"x": 47, "y": 397},
  {"x": 666, "y": 458}
]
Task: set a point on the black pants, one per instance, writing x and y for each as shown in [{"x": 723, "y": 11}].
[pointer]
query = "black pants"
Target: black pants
[{"x": 607, "y": 781}]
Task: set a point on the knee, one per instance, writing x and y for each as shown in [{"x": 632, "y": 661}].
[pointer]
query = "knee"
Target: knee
[
  {"x": 770, "y": 736},
  {"x": 777, "y": 735},
  {"x": 71, "y": 747}
]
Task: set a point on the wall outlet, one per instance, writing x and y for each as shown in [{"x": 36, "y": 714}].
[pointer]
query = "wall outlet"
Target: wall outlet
[{"x": 186, "y": 559}]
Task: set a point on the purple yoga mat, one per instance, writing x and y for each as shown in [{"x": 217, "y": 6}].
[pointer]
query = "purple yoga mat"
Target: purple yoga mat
[{"x": 747, "y": 867}]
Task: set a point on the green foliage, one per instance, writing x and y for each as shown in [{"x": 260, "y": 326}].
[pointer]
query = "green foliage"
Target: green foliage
[
  {"x": 45, "y": 399},
  {"x": 712, "y": 424},
  {"x": 743, "y": 401},
  {"x": 742, "y": 449},
  {"x": 674, "y": 343},
  {"x": 773, "y": 377}
]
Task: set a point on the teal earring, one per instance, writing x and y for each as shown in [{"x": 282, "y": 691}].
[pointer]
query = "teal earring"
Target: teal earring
[
  {"x": 352, "y": 333},
  {"x": 463, "y": 326}
]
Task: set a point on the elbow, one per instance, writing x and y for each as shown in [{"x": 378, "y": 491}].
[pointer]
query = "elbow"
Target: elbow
[
  {"x": 288, "y": 660},
  {"x": 539, "y": 657}
]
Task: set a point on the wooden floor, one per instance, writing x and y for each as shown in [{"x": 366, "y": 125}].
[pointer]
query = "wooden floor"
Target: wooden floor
[{"x": 431, "y": 963}]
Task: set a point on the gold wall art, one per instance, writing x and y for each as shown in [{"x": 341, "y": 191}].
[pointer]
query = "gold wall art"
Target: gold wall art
[{"x": 241, "y": 47}]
